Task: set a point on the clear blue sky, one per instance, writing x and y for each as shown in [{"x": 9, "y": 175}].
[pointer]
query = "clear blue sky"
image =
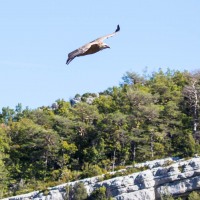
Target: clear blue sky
[{"x": 36, "y": 36}]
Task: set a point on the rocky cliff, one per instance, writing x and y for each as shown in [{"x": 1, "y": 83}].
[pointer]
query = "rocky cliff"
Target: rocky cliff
[{"x": 164, "y": 177}]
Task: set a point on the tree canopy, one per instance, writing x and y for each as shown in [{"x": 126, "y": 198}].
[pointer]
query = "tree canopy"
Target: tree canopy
[{"x": 144, "y": 118}]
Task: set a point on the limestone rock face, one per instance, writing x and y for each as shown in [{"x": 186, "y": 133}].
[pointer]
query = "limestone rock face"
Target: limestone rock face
[
  {"x": 146, "y": 194},
  {"x": 164, "y": 177},
  {"x": 179, "y": 187}
]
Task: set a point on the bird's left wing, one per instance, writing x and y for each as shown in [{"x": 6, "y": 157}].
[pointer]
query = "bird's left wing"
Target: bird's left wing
[
  {"x": 78, "y": 52},
  {"x": 107, "y": 36}
]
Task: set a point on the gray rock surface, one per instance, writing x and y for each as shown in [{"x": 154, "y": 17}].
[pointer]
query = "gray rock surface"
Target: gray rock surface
[
  {"x": 145, "y": 194},
  {"x": 164, "y": 177}
]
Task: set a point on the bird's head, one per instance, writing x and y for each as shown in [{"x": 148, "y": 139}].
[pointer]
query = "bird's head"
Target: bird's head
[{"x": 104, "y": 46}]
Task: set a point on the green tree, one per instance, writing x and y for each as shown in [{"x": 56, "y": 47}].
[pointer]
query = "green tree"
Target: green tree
[
  {"x": 18, "y": 112},
  {"x": 191, "y": 93},
  {"x": 7, "y": 115},
  {"x": 132, "y": 78},
  {"x": 105, "y": 104},
  {"x": 63, "y": 108},
  {"x": 113, "y": 129},
  {"x": 183, "y": 144},
  {"x": 85, "y": 113},
  {"x": 64, "y": 127},
  {"x": 168, "y": 86},
  {"x": 4, "y": 149},
  {"x": 68, "y": 150},
  {"x": 41, "y": 117},
  {"x": 33, "y": 150}
]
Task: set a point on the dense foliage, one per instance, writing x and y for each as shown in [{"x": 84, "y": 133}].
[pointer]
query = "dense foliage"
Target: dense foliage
[{"x": 144, "y": 118}]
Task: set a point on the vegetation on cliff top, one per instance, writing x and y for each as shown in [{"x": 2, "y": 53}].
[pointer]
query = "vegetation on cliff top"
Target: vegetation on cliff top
[{"x": 144, "y": 118}]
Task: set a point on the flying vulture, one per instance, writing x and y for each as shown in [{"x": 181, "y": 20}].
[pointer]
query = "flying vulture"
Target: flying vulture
[{"x": 92, "y": 47}]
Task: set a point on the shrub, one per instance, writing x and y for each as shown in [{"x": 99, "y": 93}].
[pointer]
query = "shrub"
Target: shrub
[
  {"x": 92, "y": 170},
  {"x": 55, "y": 174},
  {"x": 167, "y": 197},
  {"x": 107, "y": 176},
  {"x": 67, "y": 175},
  {"x": 194, "y": 196},
  {"x": 99, "y": 194},
  {"x": 76, "y": 192},
  {"x": 168, "y": 163},
  {"x": 45, "y": 192}
]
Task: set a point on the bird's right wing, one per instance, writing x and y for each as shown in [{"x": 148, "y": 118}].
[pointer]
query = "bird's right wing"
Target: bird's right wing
[{"x": 107, "y": 36}]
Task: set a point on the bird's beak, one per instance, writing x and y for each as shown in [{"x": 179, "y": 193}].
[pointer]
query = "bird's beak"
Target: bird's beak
[{"x": 107, "y": 47}]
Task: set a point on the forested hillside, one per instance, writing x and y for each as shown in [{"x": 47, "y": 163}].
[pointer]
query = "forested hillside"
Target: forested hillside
[{"x": 144, "y": 118}]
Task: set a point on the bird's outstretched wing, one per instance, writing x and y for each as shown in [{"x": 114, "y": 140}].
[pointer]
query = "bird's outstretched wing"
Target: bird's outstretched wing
[
  {"x": 78, "y": 52},
  {"x": 107, "y": 36}
]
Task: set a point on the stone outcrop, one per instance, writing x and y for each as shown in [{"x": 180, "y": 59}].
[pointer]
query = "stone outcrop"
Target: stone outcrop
[
  {"x": 164, "y": 177},
  {"x": 89, "y": 99}
]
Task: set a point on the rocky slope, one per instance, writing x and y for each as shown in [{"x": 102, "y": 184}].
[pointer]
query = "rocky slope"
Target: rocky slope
[{"x": 164, "y": 177}]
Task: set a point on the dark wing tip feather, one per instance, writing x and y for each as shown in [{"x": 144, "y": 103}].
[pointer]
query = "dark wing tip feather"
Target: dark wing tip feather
[
  {"x": 72, "y": 55},
  {"x": 68, "y": 61},
  {"x": 118, "y": 28}
]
